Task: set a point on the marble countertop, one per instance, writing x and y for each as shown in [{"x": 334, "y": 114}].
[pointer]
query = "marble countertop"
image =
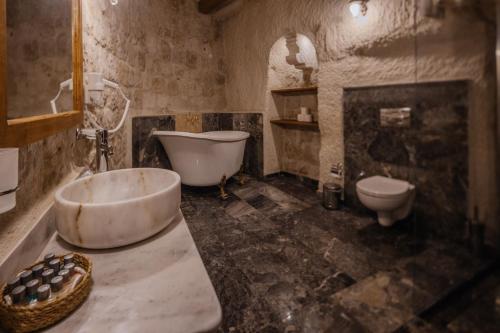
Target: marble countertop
[{"x": 158, "y": 285}]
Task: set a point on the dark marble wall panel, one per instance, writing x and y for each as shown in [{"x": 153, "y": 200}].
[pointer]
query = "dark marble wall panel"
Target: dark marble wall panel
[
  {"x": 226, "y": 121},
  {"x": 218, "y": 121},
  {"x": 254, "y": 150},
  {"x": 432, "y": 153},
  {"x": 148, "y": 152},
  {"x": 210, "y": 122}
]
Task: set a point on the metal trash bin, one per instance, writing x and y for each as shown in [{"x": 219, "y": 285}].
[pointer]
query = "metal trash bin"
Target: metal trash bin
[{"x": 332, "y": 196}]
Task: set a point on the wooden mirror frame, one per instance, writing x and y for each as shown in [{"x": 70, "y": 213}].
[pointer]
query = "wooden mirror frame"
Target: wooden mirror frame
[{"x": 22, "y": 131}]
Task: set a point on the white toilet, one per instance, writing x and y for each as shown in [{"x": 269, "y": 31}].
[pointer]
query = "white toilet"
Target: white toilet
[{"x": 392, "y": 199}]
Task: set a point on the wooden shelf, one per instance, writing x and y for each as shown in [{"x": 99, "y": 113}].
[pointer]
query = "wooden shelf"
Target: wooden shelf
[
  {"x": 291, "y": 123},
  {"x": 295, "y": 91}
]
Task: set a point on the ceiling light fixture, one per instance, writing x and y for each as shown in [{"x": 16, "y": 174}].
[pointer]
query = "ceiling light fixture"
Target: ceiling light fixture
[
  {"x": 114, "y": 2},
  {"x": 358, "y": 8}
]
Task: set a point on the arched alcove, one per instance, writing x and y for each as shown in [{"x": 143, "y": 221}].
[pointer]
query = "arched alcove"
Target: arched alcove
[{"x": 292, "y": 146}]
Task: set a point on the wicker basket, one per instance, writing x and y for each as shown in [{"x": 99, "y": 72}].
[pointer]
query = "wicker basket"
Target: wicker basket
[{"x": 20, "y": 318}]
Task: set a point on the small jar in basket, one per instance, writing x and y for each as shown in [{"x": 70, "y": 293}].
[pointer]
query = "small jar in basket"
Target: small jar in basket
[{"x": 45, "y": 293}]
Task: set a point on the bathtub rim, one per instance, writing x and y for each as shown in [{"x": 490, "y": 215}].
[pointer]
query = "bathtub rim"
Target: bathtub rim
[{"x": 218, "y": 136}]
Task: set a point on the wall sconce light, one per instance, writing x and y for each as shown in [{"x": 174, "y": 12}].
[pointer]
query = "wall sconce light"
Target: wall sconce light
[
  {"x": 358, "y": 7},
  {"x": 113, "y": 2}
]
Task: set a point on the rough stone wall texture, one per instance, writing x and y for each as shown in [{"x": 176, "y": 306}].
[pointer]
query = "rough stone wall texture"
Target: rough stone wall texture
[
  {"x": 168, "y": 58},
  {"x": 292, "y": 63},
  {"x": 297, "y": 151},
  {"x": 43, "y": 167},
  {"x": 165, "y": 54},
  {"x": 38, "y": 55},
  {"x": 390, "y": 45}
]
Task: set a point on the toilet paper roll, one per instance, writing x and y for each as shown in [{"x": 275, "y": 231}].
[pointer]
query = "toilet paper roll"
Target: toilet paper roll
[
  {"x": 304, "y": 111},
  {"x": 9, "y": 161}
]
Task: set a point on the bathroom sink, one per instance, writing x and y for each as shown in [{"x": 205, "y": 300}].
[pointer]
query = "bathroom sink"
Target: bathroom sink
[{"x": 117, "y": 208}]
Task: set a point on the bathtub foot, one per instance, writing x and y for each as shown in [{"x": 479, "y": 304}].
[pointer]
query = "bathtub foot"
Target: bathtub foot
[
  {"x": 223, "y": 194},
  {"x": 241, "y": 175}
]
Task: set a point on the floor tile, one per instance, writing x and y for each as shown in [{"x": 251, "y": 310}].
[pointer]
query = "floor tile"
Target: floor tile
[
  {"x": 482, "y": 316},
  {"x": 265, "y": 205},
  {"x": 418, "y": 325},
  {"x": 383, "y": 302},
  {"x": 239, "y": 208},
  {"x": 281, "y": 262}
]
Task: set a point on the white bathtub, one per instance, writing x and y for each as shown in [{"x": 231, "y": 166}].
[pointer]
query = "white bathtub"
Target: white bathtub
[{"x": 202, "y": 159}]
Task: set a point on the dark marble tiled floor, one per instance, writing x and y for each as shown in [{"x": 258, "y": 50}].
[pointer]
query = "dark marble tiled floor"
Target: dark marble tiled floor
[{"x": 280, "y": 262}]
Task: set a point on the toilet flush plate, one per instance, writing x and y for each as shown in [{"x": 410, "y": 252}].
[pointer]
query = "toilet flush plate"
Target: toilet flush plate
[{"x": 395, "y": 117}]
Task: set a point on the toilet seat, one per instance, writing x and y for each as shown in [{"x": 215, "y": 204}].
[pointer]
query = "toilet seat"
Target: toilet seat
[{"x": 382, "y": 187}]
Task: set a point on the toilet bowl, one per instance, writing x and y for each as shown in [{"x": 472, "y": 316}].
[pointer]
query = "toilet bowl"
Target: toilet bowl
[{"x": 392, "y": 199}]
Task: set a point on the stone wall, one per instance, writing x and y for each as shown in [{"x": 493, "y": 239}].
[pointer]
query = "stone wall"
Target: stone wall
[
  {"x": 293, "y": 63},
  {"x": 43, "y": 167},
  {"x": 169, "y": 59},
  {"x": 49, "y": 163},
  {"x": 390, "y": 45},
  {"x": 166, "y": 55},
  {"x": 296, "y": 149},
  {"x": 38, "y": 55}
]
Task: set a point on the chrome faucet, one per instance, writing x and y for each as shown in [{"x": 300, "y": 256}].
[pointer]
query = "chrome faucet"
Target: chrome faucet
[{"x": 103, "y": 150}]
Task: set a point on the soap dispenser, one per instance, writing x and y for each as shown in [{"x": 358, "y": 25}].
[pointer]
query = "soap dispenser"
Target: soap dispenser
[{"x": 9, "y": 161}]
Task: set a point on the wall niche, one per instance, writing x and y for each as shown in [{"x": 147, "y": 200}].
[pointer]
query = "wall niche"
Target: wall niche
[{"x": 292, "y": 84}]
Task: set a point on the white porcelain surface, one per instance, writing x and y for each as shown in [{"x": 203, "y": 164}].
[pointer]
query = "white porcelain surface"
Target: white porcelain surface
[
  {"x": 392, "y": 199},
  {"x": 117, "y": 208},
  {"x": 202, "y": 159},
  {"x": 378, "y": 186},
  {"x": 158, "y": 285}
]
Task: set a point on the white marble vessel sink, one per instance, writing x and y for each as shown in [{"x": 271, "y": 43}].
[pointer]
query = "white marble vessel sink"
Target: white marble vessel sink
[{"x": 117, "y": 208}]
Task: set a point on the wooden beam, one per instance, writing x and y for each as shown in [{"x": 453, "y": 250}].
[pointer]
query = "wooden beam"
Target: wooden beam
[{"x": 212, "y": 6}]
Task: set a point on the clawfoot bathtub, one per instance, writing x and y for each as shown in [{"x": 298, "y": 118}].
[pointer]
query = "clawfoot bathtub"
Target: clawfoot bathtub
[{"x": 203, "y": 159}]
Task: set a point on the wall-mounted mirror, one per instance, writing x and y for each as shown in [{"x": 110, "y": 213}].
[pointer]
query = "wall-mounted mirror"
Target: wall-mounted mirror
[
  {"x": 38, "y": 56},
  {"x": 40, "y": 69}
]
